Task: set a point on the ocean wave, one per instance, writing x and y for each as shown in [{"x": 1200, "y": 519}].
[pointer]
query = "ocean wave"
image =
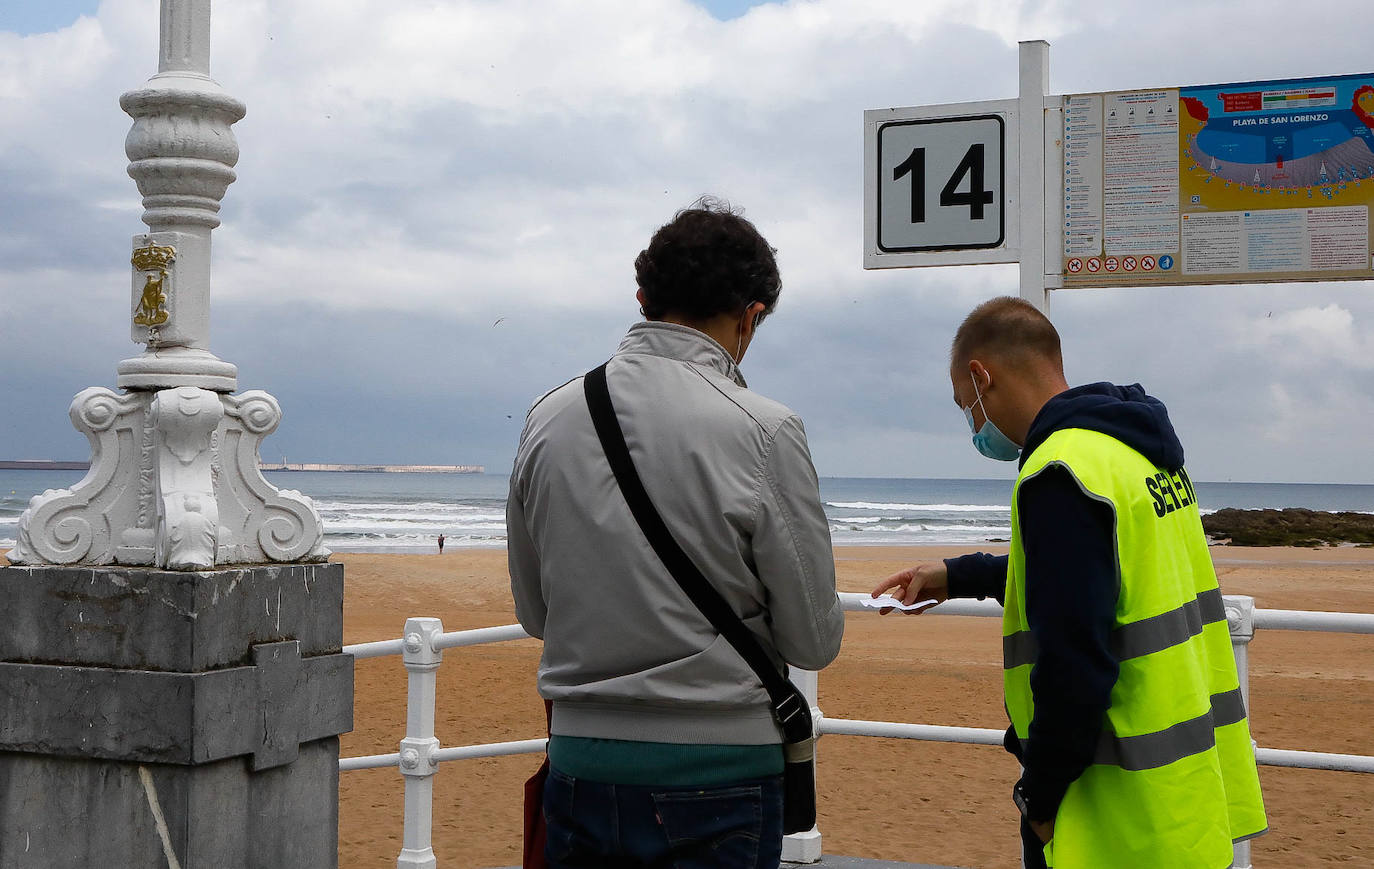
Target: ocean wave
[
  {"x": 384, "y": 516},
  {"x": 409, "y": 520},
  {"x": 915, "y": 539},
  {"x": 384, "y": 503},
  {"x": 933, "y": 528},
  {"x": 423, "y": 543},
  {"x": 924, "y": 508},
  {"x": 400, "y": 529}
]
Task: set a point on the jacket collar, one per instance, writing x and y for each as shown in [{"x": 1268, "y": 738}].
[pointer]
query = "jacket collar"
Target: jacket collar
[{"x": 683, "y": 343}]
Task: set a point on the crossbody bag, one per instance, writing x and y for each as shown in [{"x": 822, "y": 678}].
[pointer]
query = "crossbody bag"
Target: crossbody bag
[{"x": 790, "y": 708}]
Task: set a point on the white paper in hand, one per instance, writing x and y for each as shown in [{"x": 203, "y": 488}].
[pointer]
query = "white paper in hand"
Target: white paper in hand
[{"x": 888, "y": 600}]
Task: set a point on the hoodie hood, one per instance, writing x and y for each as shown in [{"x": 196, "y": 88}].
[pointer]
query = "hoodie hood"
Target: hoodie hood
[{"x": 1126, "y": 413}]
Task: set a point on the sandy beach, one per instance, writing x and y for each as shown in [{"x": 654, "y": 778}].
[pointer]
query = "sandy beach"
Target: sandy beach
[{"x": 887, "y": 799}]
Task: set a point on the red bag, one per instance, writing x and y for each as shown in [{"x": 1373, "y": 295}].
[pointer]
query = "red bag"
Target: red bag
[{"x": 536, "y": 832}]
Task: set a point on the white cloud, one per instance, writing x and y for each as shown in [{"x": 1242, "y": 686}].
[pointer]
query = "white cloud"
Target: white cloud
[
  {"x": 1309, "y": 338},
  {"x": 473, "y": 158}
]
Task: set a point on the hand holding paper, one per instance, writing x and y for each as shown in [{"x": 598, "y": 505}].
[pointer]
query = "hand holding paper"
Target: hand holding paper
[{"x": 914, "y": 589}]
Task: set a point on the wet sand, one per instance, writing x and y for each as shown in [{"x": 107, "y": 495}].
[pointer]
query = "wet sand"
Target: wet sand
[{"x": 885, "y": 799}]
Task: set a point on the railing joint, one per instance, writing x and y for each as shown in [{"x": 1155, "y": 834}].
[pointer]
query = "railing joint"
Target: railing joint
[
  {"x": 419, "y": 757},
  {"x": 417, "y": 649},
  {"x": 1240, "y": 617}
]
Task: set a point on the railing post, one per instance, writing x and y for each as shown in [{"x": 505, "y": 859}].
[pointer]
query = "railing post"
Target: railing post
[
  {"x": 1240, "y": 620},
  {"x": 805, "y": 847},
  {"x": 418, "y": 763}
]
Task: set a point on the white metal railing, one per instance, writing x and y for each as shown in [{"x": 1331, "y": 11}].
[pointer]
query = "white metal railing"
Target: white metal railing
[{"x": 421, "y": 650}]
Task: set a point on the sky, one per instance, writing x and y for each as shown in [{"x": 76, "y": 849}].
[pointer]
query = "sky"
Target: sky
[{"x": 439, "y": 204}]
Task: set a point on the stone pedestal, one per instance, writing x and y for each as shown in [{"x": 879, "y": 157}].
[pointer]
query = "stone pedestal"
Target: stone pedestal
[{"x": 171, "y": 719}]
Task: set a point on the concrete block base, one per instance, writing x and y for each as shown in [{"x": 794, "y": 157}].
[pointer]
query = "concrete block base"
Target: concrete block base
[{"x": 185, "y": 720}]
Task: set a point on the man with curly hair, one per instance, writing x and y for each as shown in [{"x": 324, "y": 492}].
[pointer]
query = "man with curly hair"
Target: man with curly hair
[{"x": 663, "y": 748}]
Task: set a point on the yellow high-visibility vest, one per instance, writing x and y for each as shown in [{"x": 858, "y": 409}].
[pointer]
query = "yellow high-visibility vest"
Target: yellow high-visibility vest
[{"x": 1173, "y": 783}]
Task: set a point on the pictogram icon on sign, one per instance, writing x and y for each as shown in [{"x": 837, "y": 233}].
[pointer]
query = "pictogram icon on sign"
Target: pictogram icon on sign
[
  {"x": 1128, "y": 263},
  {"x": 1147, "y": 263},
  {"x": 1094, "y": 264},
  {"x": 1112, "y": 264},
  {"x": 1074, "y": 265},
  {"x": 1166, "y": 262}
]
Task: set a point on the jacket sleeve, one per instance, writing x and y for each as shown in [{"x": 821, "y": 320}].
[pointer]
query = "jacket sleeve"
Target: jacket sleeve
[
  {"x": 792, "y": 554},
  {"x": 526, "y": 584},
  {"x": 1071, "y": 595},
  {"x": 977, "y": 575}
]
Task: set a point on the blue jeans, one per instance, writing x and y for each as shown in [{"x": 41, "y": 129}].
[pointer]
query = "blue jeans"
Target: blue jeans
[{"x": 603, "y": 826}]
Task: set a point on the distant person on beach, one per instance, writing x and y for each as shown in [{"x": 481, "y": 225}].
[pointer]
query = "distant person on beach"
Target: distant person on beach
[
  {"x": 664, "y": 750},
  {"x": 1118, "y": 672},
  {"x": 441, "y": 544}
]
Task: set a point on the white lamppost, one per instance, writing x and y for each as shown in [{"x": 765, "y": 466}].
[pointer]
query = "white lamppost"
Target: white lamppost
[{"x": 174, "y": 479}]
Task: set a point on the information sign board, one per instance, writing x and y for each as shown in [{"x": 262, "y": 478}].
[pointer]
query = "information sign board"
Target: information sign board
[{"x": 1238, "y": 183}]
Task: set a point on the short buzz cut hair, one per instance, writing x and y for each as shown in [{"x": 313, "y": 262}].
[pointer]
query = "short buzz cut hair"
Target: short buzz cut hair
[{"x": 1009, "y": 328}]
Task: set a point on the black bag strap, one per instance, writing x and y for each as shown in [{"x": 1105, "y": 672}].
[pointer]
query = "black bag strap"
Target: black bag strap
[{"x": 790, "y": 707}]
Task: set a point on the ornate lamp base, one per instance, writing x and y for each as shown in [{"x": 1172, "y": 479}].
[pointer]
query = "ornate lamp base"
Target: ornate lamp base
[
  {"x": 177, "y": 366},
  {"x": 174, "y": 483}
]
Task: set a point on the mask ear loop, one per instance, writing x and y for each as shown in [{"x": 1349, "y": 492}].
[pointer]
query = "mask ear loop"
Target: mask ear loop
[{"x": 978, "y": 396}]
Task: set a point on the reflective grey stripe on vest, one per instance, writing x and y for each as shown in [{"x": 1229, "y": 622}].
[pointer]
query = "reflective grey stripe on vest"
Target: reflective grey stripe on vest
[
  {"x": 1144, "y": 637},
  {"x": 1163, "y": 747},
  {"x": 1017, "y": 649},
  {"x": 1177, "y": 626}
]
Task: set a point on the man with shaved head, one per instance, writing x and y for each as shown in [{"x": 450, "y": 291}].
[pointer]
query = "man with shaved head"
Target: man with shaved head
[{"x": 1118, "y": 673}]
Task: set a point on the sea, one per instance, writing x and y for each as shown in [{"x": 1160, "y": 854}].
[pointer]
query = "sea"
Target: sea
[{"x": 389, "y": 512}]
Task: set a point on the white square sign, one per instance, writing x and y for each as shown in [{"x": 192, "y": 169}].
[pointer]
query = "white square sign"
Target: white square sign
[{"x": 940, "y": 184}]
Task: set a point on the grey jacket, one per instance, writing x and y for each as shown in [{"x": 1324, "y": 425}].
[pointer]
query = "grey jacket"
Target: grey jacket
[{"x": 626, "y": 654}]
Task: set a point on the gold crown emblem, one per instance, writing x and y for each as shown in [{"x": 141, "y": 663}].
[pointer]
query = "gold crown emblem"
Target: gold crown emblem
[{"x": 153, "y": 257}]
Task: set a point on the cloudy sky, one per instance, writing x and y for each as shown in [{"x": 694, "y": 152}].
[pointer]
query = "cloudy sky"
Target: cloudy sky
[{"x": 413, "y": 171}]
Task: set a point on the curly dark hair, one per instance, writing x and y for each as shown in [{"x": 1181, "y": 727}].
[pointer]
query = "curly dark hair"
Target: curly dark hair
[{"x": 708, "y": 260}]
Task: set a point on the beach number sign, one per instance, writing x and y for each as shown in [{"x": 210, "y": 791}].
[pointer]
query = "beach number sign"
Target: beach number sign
[{"x": 940, "y": 183}]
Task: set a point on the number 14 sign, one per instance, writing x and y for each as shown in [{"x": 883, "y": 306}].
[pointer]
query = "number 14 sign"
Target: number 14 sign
[{"x": 937, "y": 185}]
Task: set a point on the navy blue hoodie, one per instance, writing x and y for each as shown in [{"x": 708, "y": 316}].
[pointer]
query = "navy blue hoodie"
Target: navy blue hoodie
[{"x": 1071, "y": 584}]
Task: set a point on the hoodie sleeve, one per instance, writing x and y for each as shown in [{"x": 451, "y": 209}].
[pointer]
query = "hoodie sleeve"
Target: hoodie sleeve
[
  {"x": 1071, "y": 595},
  {"x": 977, "y": 575}
]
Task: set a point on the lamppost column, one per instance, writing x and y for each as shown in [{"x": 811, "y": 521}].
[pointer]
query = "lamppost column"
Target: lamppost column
[{"x": 182, "y": 153}]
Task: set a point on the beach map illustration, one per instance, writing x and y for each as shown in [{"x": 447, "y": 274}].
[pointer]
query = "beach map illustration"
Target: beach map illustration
[
  {"x": 1304, "y": 138},
  {"x": 1258, "y": 181}
]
